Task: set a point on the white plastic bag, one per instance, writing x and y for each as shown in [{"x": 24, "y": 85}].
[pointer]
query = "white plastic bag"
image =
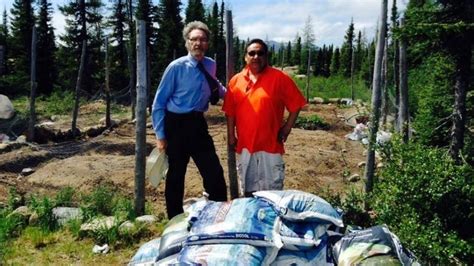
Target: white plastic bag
[{"x": 156, "y": 166}]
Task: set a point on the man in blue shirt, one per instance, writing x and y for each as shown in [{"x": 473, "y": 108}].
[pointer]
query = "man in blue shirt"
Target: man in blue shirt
[{"x": 180, "y": 127}]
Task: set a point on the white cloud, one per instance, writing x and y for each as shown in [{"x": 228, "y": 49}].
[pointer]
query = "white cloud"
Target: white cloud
[{"x": 281, "y": 20}]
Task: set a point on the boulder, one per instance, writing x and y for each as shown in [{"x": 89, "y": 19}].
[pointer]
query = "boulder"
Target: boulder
[
  {"x": 66, "y": 214},
  {"x": 146, "y": 219},
  {"x": 6, "y": 107},
  {"x": 99, "y": 224}
]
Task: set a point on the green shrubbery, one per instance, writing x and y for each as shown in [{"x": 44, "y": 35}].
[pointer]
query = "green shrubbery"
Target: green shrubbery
[
  {"x": 311, "y": 123},
  {"x": 334, "y": 87},
  {"x": 431, "y": 90},
  {"x": 58, "y": 103},
  {"x": 103, "y": 201},
  {"x": 428, "y": 202}
]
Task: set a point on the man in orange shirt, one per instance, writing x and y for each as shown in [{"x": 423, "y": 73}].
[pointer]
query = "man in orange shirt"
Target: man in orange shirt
[{"x": 254, "y": 106}]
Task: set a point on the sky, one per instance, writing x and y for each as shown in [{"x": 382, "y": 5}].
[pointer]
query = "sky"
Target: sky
[{"x": 282, "y": 20}]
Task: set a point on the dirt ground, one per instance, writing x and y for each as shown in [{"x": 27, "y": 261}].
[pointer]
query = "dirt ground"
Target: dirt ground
[{"x": 314, "y": 160}]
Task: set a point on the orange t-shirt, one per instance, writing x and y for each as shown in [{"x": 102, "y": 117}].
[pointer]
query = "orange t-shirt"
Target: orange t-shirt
[{"x": 258, "y": 108}]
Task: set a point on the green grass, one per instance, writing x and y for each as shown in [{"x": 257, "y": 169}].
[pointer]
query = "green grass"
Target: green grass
[
  {"x": 43, "y": 244},
  {"x": 334, "y": 87},
  {"x": 62, "y": 104}
]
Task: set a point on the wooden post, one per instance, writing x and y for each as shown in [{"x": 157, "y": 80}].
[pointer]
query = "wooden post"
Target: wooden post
[
  {"x": 140, "y": 129},
  {"x": 231, "y": 164},
  {"x": 107, "y": 84},
  {"x": 352, "y": 75},
  {"x": 80, "y": 74},
  {"x": 32, "y": 122},
  {"x": 403, "y": 112},
  {"x": 376, "y": 95},
  {"x": 384, "y": 86},
  {"x": 308, "y": 72}
]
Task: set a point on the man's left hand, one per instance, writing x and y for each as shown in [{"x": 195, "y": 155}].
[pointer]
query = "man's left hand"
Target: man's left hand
[{"x": 283, "y": 134}]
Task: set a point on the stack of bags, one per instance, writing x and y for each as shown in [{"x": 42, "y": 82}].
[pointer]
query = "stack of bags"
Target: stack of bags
[{"x": 273, "y": 228}]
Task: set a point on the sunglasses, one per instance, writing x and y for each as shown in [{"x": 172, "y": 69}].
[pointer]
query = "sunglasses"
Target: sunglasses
[{"x": 253, "y": 53}]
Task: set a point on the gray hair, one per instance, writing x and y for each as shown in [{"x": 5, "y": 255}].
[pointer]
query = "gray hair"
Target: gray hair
[{"x": 195, "y": 25}]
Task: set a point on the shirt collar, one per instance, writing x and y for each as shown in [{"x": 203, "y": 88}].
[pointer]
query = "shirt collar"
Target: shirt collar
[
  {"x": 192, "y": 60},
  {"x": 246, "y": 71}
]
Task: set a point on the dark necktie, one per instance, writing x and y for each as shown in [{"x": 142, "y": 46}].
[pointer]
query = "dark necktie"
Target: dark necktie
[{"x": 213, "y": 84}]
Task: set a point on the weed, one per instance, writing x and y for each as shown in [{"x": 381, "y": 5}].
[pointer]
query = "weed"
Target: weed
[
  {"x": 100, "y": 201},
  {"x": 65, "y": 197},
  {"x": 44, "y": 209},
  {"x": 14, "y": 200},
  {"x": 313, "y": 122},
  {"x": 38, "y": 237}
]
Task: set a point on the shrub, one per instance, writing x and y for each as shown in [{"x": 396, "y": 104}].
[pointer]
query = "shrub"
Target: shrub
[
  {"x": 352, "y": 206},
  {"x": 431, "y": 85},
  {"x": 427, "y": 201},
  {"x": 334, "y": 87},
  {"x": 44, "y": 209},
  {"x": 100, "y": 201},
  {"x": 65, "y": 197},
  {"x": 311, "y": 123}
]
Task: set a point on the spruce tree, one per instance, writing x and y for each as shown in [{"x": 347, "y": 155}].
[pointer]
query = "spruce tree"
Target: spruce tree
[
  {"x": 238, "y": 62},
  {"x": 22, "y": 22},
  {"x": 4, "y": 43},
  {"x": 46, "y": 48},
  {"x": 297, "y": 52},
  {"x": 288, "y": 55},
  {"x": 82, "y": 22},
  {"x": 327, "y": 61},
  {"x": 346, "y": 51},
  {"x": 335, "y": 62},
  {"x": 194, "y": 11},
  {"x": 170, "y": 44},
  {"x": 119, "y": 74}
]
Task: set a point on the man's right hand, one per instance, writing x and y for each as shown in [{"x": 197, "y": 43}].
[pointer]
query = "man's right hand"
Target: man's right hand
[{"x": 161, "y": 144}]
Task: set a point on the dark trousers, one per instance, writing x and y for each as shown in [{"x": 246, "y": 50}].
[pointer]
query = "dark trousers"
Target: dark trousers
[{"x": 188, "y": 137}]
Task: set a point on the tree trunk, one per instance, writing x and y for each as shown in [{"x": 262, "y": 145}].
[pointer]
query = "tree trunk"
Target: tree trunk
[
  {"x": 352, "y": 75},
  {"x": 149, "y": 98},
  {"x": 396, "y": 84},
  {"x": 107, "y": 84},
  {"x": 308, "y": 72},
  {"x": 375, "y": 116},
  {"x": 231, "y": 164},
  {"x": 80, "y": 75},
  {"x": 462, "y": 53},
  {"x": 140, "y": 143},
  {"x": 131, "y": 59},
  {"x": 403, "y": 122},
  {"x": 32, "y": 122},
  {"x": 384, "y": 86}
]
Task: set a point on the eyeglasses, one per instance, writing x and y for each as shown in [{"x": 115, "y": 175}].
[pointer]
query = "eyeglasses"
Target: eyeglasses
[
  {"x": 253, "y": 53},
  {"x": 194, "y": 40}
]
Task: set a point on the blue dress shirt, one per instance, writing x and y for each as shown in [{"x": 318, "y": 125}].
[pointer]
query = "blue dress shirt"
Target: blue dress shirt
[{"x": 183, "y": 89}]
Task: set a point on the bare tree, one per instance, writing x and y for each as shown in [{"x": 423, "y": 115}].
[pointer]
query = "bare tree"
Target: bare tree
[
  {"x": 107, "y": 84},
  {"x": 231, "y": 165},
  {"x": 308, "y": 72},
  {"x": 32, "y": 122},
  {"x": 403, "y": 111},
  {"x": 352, "y": 74},
  {"x": 384, "y": 82},
  {"x": 80, "y": 75},
  {"x": 131, "y": 57},
  {"x": 376, "y": 93},
  {"x": 140, "y": 129}
]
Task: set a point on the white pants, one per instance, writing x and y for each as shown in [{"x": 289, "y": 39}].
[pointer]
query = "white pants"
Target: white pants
[{"x": 260, "y": 171}]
